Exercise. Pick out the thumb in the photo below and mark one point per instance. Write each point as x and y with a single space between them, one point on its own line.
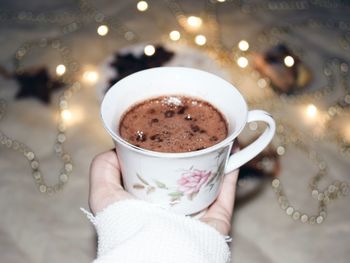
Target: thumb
105 182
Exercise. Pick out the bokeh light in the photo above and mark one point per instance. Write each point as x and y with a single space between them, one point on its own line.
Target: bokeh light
200 40
174 35
243 45
102 30
242 62
149 50
289 61
142 6
60 69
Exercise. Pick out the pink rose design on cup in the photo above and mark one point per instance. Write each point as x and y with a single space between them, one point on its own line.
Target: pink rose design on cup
191 181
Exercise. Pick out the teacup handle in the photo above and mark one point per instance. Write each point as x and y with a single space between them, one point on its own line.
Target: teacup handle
249 152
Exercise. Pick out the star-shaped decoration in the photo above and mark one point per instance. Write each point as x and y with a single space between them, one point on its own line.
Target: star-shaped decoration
37 83
34 82
126 64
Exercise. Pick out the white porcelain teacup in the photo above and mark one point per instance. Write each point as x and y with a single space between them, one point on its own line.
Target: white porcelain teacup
186 183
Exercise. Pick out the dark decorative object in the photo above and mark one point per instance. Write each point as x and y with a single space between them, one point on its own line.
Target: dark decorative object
126 64
34 82
286 76
253 174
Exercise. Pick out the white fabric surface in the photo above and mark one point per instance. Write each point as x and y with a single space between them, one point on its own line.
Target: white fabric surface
35 228
135 231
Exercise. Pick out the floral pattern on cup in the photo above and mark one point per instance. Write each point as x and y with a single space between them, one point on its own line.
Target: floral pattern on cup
191 182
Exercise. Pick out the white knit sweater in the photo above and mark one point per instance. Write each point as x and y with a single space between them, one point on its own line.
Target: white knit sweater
134 231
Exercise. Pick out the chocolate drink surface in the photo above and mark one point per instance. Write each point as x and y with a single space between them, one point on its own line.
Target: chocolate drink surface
173 124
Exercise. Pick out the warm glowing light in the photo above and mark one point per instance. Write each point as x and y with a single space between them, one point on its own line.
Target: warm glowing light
149 50
311 111
102 30
243 45
60 70
346 133
75 115
66 115
221 1
174 35
200 40
242 62
194 21
90 76
289 61
262 83
142 6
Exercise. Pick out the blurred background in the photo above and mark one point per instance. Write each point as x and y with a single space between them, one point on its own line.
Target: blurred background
291 58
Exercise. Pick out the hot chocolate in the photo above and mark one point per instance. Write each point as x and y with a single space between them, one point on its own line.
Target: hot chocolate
173 124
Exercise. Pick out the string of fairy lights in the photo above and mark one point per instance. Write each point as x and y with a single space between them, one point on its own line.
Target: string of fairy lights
203 32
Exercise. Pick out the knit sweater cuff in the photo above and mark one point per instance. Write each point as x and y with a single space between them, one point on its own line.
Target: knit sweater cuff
116 223
126 228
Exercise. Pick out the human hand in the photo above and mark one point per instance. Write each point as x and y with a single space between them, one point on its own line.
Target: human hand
219 213
105 182
106 188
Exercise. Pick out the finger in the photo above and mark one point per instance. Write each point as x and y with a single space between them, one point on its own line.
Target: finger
105 171
226 197
105 178
223 205
222 208
105 182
